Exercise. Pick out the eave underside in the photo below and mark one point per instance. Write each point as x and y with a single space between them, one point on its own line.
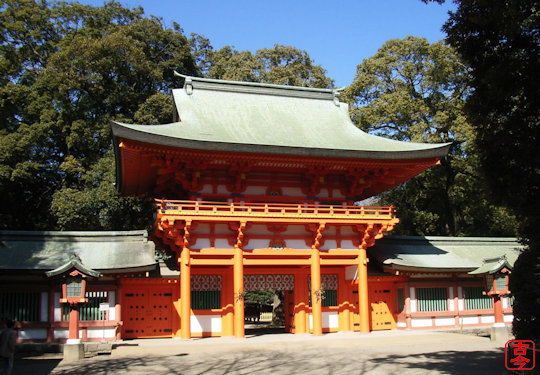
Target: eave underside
142 168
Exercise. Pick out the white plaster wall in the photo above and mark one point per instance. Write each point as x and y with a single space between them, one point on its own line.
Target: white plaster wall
451 305
487 319
222 189
337 193
100 333
201 243
445 322
329 244
509 318
206 189
401 325
222 243
461 303
348 245
421 322
205 323
44 307
63 333
257 244
57 307
470 320
297 244
32 333
330 319
412 293
112 304
255 190
505 302
292 192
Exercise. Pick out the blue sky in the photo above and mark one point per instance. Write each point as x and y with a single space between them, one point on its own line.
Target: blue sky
337 35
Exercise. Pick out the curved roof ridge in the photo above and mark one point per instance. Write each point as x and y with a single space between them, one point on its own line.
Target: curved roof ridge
256 84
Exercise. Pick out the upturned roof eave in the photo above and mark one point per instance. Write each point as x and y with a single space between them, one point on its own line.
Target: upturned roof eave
121 131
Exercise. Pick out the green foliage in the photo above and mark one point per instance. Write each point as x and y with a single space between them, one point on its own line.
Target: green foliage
282 65
415 91
66 70
500 41
261 296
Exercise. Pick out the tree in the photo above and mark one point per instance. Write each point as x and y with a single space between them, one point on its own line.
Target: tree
67 69
282 65
412 90
500 41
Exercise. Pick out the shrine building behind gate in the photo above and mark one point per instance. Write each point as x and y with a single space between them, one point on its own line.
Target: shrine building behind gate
256 187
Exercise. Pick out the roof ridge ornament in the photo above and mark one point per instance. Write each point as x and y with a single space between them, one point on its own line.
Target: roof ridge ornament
188 86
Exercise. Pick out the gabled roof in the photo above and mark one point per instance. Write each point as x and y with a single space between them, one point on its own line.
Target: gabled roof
492 265
73 264
222 115
106 252
442 254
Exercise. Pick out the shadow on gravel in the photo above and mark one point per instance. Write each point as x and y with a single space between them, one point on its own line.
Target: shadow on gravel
313 361
39 366
450 362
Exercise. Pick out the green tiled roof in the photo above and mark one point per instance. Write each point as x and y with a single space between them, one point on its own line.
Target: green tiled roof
251 117
492 265
439 254
101 251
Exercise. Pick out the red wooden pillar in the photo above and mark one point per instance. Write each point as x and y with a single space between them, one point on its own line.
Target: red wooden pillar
185 294
73 336
316 297
238 293
497 309
363 304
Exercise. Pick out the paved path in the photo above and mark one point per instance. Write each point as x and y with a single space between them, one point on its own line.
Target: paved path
389 352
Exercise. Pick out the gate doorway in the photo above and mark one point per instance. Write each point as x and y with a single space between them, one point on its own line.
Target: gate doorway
268 303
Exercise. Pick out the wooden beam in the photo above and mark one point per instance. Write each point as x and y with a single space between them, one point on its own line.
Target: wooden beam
276 262
211 262
339 262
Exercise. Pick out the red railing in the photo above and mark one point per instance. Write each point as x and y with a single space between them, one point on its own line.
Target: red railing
277 210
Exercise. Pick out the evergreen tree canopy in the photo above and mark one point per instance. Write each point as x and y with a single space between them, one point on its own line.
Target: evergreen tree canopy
66 70
500 41
415 91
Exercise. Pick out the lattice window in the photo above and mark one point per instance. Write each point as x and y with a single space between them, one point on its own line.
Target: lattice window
329 298
90 310
205 299
432 299
20 306
475 299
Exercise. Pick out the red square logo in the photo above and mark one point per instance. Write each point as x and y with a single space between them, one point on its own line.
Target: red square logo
519 355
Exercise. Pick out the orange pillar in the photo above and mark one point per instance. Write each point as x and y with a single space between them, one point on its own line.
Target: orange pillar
316 305
228 305
238 292
185 293
363 304
300 304
74 322
497 309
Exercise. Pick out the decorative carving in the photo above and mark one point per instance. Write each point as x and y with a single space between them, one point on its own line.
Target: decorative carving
237 171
